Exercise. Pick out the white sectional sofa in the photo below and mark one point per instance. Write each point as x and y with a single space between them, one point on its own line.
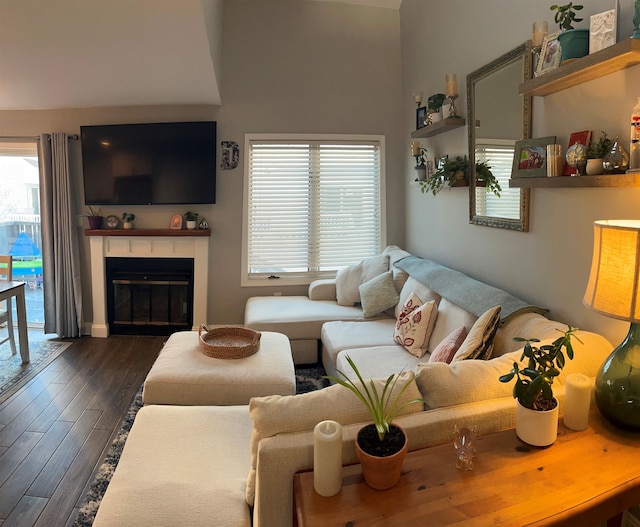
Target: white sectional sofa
234 465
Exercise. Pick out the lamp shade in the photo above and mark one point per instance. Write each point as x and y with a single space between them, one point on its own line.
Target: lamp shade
614 288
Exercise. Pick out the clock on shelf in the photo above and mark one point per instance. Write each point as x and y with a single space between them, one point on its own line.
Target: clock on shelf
112 222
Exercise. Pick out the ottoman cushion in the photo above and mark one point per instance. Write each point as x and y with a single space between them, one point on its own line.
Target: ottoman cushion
182 375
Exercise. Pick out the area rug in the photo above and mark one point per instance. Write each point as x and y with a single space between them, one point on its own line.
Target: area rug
308 379
14 375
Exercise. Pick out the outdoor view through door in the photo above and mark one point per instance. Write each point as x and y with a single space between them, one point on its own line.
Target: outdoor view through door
20 234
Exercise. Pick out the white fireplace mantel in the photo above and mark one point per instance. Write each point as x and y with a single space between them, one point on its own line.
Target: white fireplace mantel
147 244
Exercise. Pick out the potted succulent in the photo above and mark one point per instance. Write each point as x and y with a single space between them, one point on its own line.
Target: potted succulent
455 172
596 152
127 220
95 218
192 219
537 408
420 154
574 42
434 103
380 446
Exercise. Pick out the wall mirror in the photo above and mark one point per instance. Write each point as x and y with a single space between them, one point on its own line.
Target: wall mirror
501 118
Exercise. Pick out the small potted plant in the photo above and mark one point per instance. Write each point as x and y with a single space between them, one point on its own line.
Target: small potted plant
420 155
596 152
485 178
574 42
192 219
380 446
95 218
434 103
455 172
127 220
537 408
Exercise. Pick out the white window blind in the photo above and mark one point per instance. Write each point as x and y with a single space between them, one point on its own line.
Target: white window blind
312 207
498 154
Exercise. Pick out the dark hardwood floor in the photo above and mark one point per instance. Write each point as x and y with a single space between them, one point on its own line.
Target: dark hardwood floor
55 431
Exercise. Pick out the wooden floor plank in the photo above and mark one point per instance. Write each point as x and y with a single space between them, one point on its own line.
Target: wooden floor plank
27 512
15 454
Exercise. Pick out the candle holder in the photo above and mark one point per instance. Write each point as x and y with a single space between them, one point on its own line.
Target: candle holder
452 109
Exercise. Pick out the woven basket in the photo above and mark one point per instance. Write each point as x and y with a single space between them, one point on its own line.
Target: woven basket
228 342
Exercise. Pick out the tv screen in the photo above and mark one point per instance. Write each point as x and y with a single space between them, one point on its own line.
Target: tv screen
149 164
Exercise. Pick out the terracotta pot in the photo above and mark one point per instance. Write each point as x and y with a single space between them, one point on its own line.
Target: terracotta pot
535 427
382 473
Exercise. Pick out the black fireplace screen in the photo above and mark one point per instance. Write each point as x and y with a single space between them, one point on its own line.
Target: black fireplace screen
149 296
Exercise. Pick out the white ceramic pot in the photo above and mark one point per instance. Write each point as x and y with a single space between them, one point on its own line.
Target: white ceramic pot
436 116
594 167
127 225
535 427
191 225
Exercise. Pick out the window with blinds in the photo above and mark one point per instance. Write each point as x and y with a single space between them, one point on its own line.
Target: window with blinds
311 206
498 154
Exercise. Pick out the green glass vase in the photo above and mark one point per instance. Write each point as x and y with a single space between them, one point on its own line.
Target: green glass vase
618 383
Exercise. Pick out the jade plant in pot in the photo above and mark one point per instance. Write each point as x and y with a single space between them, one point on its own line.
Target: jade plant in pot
574 42
434 103
537 408
380 446
127 220
596 150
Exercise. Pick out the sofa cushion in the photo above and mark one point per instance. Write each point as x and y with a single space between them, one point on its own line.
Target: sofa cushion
479 341
378 294
422 291
348 279
415 324
277 414
445 351
377 361
450 317
395 254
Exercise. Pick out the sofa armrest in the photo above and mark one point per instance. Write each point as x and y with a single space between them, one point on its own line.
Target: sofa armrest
323 289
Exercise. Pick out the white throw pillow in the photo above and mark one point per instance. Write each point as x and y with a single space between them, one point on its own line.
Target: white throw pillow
281 414
479 341
415 324
348 279
378 294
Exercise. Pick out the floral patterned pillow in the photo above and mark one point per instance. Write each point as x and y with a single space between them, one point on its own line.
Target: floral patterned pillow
415 324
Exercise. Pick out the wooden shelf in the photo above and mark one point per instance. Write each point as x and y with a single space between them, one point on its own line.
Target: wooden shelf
439 127
147 232
611 180
609 60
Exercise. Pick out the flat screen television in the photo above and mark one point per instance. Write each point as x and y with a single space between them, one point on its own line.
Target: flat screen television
150 163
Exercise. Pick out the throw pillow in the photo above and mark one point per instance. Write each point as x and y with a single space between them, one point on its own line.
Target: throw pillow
348 279
281 414
415 324
479 341
378 294
445 351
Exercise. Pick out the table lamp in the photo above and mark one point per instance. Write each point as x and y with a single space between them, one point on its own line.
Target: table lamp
614 290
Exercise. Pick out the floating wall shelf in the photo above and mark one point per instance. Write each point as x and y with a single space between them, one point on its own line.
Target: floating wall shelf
439 127
612 180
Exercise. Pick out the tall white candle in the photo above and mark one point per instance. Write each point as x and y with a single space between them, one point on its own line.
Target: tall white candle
327 458
452 84
577 401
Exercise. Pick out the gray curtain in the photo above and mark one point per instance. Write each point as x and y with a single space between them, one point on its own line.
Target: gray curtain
60 251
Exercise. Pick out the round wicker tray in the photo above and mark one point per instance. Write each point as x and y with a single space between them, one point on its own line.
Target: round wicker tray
228 342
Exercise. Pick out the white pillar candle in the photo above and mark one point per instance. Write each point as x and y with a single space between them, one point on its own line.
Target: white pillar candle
577 401
540 30
452 84
327 458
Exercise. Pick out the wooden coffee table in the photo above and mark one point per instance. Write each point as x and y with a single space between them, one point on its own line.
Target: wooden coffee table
583 479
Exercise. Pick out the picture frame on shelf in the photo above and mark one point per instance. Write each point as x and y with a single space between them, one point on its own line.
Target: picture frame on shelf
576 137
550 54
530 157
430 169
176 222
421 115
603 30
441 161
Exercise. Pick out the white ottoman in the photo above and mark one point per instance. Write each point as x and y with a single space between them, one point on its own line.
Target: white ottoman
182 375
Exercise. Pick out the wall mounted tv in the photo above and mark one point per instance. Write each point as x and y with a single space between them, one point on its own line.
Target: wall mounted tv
150 163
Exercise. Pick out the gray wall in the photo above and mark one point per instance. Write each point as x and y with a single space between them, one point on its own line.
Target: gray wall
550 264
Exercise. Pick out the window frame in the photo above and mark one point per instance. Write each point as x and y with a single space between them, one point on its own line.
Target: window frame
304 278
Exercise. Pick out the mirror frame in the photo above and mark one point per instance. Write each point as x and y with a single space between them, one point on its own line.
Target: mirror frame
522 52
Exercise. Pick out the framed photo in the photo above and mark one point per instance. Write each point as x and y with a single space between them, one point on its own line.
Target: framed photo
430 169
441 161
176 222
550 54
603 30
530 157
421 115
576 137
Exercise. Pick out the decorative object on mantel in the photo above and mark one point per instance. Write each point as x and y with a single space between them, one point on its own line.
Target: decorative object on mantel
574 43
95 218
537 408
204 224
419 152
634 139
603 30
452 93
192 219
127 219
421 117
176 222
617 159
612 290
583 137
596 150
577 158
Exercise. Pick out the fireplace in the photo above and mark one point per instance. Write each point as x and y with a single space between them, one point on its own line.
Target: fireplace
149 296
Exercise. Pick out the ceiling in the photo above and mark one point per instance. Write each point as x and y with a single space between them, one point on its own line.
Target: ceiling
89 53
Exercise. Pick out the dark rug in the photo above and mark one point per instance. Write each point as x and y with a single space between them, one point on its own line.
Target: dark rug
308 379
